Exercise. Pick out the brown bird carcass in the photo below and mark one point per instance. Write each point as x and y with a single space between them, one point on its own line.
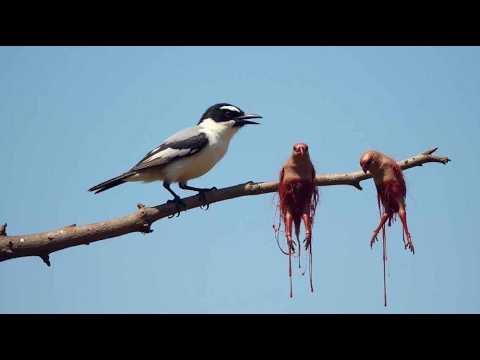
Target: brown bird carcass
298 197
391 193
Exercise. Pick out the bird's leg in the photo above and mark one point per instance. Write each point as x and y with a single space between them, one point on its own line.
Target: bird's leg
288 231
307 221
176 199
408 241
383 219
201 192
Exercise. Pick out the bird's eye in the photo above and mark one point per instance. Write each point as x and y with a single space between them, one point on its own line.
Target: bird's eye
228 113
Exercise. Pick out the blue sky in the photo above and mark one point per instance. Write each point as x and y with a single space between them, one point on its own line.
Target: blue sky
74 116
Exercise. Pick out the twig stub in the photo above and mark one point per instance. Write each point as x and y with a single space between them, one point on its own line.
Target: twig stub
46 259
3 230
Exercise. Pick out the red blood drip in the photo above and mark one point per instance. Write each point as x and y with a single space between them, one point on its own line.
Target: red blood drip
384 265
311 268
290 269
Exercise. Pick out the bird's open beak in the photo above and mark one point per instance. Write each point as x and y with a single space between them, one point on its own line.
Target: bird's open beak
244 119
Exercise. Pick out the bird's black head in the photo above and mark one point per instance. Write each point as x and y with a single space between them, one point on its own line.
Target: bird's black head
228 114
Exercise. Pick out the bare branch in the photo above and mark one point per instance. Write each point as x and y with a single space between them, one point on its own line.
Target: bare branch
43 244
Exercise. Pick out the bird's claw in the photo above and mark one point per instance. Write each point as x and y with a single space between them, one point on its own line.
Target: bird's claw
409 245
180 204
203 198
407 241
374 238
307 240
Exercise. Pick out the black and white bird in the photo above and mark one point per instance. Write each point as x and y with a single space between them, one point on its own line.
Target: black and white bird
189 153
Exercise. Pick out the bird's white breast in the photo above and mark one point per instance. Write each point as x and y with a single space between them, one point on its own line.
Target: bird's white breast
219 136
196 165
182 170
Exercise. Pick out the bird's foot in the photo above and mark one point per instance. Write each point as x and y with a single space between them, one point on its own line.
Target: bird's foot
374 238
307 240
180 206
409 244
203 198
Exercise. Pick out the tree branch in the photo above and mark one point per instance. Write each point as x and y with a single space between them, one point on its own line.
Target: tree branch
43 244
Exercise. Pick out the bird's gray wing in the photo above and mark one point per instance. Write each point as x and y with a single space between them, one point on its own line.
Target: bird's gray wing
180 145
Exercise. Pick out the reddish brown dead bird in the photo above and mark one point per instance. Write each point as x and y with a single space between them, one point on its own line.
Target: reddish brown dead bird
298 197
391 193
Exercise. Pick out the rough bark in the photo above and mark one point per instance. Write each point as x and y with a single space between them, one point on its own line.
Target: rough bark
44 243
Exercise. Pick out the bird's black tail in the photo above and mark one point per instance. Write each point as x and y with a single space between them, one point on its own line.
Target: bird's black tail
110 183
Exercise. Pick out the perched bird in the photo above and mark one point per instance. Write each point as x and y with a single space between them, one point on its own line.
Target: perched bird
298 198
189 153
391 193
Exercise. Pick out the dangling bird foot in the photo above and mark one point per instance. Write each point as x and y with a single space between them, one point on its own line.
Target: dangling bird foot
410 247
307 240
374 238
180 206
409 244
203 198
